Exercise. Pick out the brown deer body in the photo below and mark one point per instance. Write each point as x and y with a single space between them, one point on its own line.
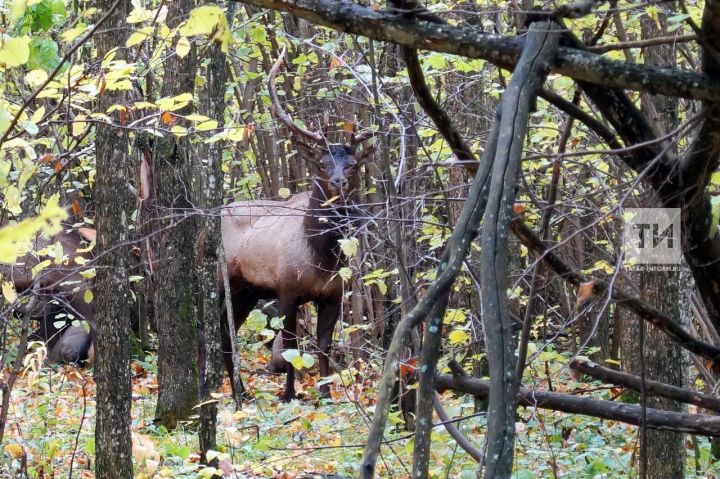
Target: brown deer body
58 295
289 250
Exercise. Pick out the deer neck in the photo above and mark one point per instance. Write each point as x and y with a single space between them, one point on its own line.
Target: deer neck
325 223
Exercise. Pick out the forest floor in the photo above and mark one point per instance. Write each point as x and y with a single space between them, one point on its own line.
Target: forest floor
50 433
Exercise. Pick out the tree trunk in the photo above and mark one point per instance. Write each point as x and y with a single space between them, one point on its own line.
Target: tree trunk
175 287
114 206
208 187
663 357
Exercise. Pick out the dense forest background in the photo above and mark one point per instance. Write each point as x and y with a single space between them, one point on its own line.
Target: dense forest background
493 322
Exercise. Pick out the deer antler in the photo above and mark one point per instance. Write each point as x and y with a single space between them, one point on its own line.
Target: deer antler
280 113
362 136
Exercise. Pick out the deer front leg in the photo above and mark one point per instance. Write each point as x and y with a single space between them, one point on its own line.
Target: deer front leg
328 314
288 308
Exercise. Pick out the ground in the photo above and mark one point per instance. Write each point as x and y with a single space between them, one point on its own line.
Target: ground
52 416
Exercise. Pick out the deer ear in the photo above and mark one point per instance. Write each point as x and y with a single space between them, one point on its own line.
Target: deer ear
366 155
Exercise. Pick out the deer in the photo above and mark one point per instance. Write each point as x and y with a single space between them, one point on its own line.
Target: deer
289 250
58 296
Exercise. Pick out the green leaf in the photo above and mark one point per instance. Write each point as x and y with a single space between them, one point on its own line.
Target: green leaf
436 61
256 321
88 296
43 54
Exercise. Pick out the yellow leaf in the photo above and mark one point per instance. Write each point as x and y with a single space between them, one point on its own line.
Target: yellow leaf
349 246
197 117
178 131
207 125
345 273
78 125
19 6
88 273
8 291
139 15
208 20
235 134
73 33
40 266
183 47
139 36
35 78
14 450
88 296
15 52
458 336
38 115
175 102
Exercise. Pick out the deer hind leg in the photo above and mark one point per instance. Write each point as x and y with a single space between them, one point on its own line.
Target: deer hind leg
288 308
242 305
328 314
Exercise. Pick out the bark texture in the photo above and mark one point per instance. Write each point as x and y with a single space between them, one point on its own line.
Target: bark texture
208 188
114 206
528 77
175 286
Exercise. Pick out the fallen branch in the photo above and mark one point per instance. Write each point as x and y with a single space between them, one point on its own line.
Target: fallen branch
627 413
651 388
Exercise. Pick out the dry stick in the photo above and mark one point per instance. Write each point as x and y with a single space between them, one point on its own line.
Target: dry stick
82 420
603 409
236 381
453 430
625 300
648 42
453 256
530 71
652 388
57 69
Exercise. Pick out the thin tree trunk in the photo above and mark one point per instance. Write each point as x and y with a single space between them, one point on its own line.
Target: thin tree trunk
175 288
114 207
209 178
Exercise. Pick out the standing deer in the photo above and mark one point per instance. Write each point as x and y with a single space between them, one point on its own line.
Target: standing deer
289 250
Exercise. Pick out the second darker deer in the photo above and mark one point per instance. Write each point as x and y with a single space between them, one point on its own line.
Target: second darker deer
289 250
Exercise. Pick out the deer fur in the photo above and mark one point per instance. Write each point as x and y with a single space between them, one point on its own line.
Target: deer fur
57 290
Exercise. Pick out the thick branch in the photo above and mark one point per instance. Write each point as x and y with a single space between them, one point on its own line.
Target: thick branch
651 388
627 413
623 299
503 51
540 49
